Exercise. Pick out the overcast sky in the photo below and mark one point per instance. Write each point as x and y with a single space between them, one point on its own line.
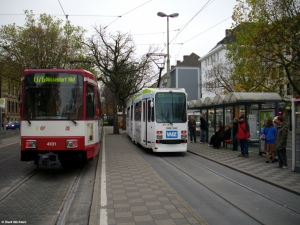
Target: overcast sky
199 27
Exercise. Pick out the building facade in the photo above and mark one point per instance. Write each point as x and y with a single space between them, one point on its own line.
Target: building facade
185 74
11 94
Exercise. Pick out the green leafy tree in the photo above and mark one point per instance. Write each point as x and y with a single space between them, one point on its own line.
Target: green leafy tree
264 47
43 42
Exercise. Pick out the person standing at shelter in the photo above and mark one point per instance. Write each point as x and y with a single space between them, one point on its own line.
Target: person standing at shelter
270 132
275 122
234 132
242 135
281 141
192 128
203 126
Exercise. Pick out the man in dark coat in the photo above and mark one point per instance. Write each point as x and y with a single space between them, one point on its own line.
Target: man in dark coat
281 141
234 132
192 128
203 126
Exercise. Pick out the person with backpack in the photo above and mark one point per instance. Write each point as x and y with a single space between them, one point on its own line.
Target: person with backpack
269 131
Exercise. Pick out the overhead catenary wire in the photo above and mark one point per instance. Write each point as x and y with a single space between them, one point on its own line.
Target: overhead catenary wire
184 26
63 9
127 13
181 29
38 14
207 29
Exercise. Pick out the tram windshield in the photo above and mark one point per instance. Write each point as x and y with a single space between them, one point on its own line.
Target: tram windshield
53 96
170 107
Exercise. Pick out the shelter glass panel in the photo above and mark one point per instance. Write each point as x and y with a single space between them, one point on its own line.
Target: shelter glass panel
241 111
229 116
219 117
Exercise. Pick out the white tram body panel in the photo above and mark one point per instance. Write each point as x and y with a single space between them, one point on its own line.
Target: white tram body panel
157 119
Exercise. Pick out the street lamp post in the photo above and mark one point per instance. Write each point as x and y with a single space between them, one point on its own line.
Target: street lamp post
161 14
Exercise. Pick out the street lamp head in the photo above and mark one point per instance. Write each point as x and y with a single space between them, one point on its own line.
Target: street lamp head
174 15
161 14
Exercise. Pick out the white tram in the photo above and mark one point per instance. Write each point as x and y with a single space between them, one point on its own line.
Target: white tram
157 119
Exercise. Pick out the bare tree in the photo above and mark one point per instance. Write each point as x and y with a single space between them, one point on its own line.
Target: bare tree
119 69
218 79
109 101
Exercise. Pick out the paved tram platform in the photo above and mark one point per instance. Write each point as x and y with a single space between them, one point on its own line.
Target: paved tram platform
128 191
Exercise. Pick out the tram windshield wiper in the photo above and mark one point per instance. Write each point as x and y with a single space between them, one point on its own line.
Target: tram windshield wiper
28 120
168 120
74 121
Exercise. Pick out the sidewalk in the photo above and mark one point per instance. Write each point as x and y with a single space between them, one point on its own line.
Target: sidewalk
129 191
254 166
9 140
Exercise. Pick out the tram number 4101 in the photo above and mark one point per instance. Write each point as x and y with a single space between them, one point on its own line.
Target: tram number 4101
51 143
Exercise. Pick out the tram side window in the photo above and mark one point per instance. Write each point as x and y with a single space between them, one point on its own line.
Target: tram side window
90 109
144 111
128 111
150 112
137 115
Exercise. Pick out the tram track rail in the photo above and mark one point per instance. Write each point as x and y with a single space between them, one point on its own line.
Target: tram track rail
67 203
15 187
249 214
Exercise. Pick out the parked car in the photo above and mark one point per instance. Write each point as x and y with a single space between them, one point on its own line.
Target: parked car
198 128
13 125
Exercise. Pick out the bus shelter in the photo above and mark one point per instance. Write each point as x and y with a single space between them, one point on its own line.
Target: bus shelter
255 107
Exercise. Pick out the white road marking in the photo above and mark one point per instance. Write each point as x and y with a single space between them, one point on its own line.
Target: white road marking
103 210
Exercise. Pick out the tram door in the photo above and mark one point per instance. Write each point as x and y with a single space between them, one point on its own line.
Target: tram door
149 122
144 123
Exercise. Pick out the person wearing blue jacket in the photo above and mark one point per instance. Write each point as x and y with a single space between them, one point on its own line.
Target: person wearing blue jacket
270 133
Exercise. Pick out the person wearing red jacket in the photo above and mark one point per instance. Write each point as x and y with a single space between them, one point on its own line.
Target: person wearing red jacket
242 135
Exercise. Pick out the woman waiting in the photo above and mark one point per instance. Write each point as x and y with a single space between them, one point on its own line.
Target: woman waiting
270 132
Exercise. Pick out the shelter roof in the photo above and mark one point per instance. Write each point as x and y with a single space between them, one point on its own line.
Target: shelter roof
208 100
233 97
218 99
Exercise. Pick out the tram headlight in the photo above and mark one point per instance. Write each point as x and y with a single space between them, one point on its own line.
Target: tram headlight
72 143
30 143
159 135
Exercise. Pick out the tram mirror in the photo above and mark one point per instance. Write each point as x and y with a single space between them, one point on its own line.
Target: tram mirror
151 104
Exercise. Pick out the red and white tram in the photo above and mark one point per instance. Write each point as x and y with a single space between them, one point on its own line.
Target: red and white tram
61 117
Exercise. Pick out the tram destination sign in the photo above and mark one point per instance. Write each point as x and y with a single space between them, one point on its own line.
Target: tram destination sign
64 79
